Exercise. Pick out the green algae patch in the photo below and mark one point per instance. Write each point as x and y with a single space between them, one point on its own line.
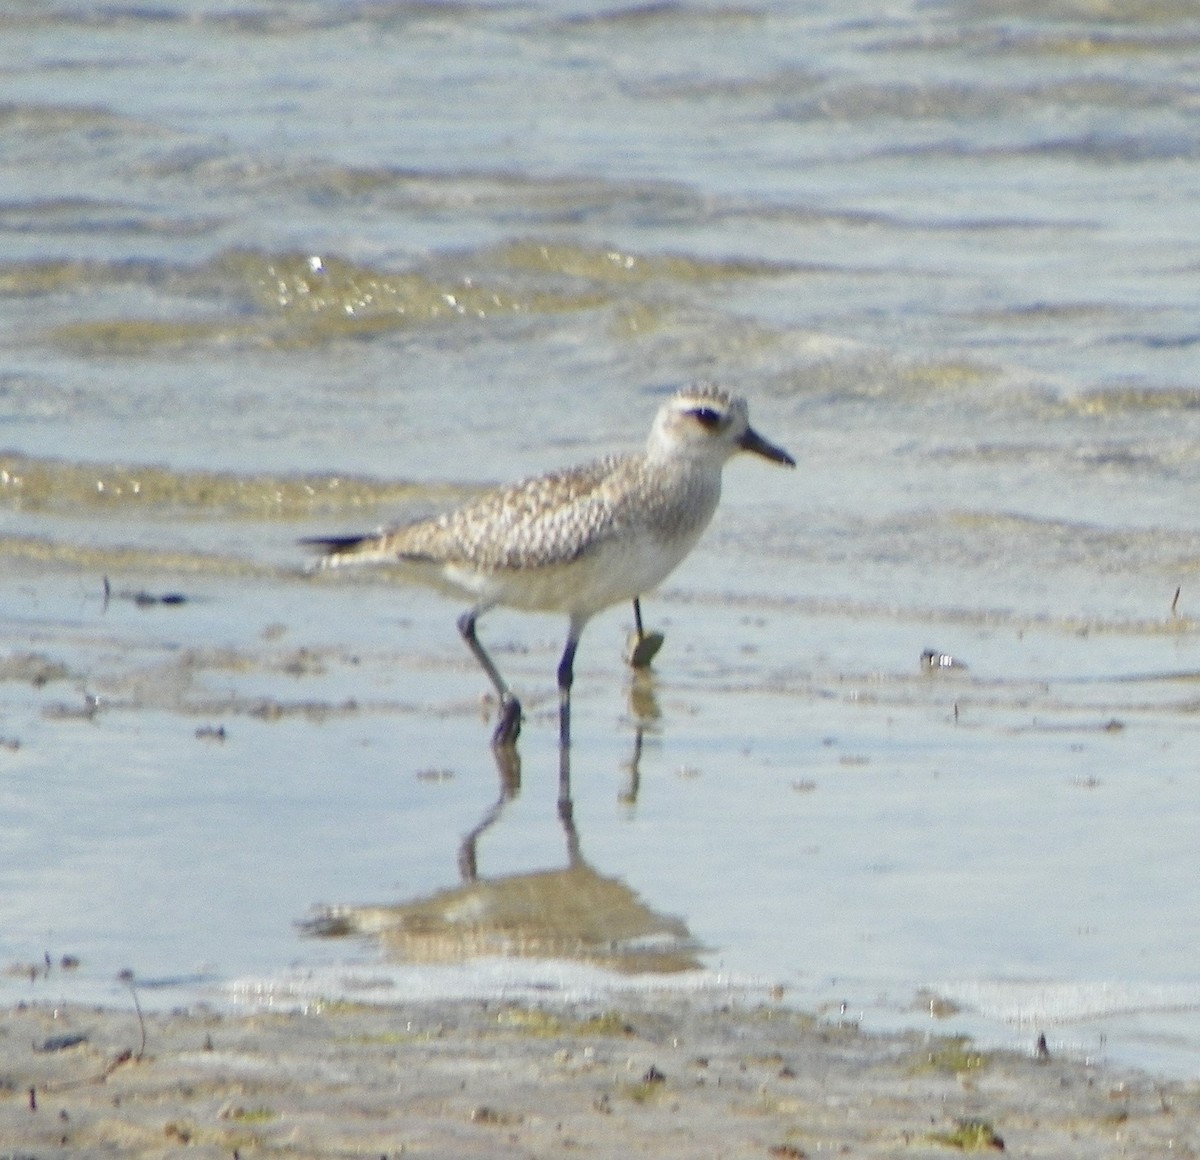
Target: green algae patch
969 1136
607 1023
535 1021
136 336
530 1021
950 374
953 1056
287 301
241 1115
46 484
608 264
100 559
344 292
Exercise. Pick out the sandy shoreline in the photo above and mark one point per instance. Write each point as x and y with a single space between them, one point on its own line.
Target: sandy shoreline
631 1078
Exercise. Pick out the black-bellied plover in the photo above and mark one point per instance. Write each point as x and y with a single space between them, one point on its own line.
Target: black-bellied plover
580 540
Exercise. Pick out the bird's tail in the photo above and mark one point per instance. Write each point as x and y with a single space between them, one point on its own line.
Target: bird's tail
338 551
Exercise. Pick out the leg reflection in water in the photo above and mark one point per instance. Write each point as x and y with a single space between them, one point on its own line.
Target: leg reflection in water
567 912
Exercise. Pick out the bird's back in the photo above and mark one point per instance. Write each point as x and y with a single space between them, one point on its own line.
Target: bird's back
552 520
537 522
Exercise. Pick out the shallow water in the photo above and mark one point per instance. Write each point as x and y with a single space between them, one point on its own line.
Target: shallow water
277 270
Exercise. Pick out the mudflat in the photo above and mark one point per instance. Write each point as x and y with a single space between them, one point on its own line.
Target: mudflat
651 1076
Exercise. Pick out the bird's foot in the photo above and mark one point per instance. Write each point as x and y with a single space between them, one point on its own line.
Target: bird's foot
642 648
508 728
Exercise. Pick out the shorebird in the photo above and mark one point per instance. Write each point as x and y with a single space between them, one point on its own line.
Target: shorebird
575 541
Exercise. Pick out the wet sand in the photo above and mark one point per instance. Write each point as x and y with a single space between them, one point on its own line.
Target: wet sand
647 1077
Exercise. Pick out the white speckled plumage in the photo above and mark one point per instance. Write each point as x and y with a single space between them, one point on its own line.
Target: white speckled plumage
579 540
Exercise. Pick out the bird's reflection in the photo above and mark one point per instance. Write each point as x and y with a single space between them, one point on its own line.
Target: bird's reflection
644 710
572 912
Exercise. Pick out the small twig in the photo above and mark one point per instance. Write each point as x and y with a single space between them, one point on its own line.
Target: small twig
1175 601
126 977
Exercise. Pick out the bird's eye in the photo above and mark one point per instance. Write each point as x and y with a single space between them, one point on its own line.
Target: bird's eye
709 419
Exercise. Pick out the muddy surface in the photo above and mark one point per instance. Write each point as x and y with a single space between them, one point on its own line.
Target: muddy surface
647 1077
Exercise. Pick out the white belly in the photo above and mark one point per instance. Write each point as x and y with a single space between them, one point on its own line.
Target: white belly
614 571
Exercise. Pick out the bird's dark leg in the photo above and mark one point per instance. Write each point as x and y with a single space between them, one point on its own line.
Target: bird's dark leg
566 677
642 647
509 725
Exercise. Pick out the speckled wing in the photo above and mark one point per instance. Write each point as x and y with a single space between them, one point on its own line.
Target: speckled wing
537 522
